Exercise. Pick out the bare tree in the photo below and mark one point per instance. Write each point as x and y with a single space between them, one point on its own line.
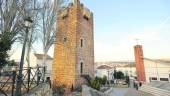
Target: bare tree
28 8
33 36
11 18
43 13
49 19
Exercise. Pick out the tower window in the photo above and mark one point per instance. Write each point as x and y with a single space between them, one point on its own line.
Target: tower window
81 42
85 17
64 17
81 67
65 39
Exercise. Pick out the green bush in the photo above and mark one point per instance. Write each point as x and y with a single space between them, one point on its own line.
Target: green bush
104 79
100 79
95 84
119 75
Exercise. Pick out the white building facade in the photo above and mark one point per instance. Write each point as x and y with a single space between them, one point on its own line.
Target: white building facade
36 60
104 70
157 70
39 62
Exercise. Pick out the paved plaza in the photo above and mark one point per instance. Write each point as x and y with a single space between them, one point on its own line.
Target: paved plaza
128 92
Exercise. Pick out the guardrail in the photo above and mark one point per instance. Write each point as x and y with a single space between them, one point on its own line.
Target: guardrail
31 78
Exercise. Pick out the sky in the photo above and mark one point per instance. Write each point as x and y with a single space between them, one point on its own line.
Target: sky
118 23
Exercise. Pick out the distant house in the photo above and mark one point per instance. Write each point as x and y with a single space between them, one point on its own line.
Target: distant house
128 70
108 68
35 60
104 70
39 62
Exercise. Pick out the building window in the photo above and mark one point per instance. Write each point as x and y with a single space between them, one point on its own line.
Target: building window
81 67
154 78
81 41
163 79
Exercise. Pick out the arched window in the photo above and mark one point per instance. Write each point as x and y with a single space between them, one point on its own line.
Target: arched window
81 67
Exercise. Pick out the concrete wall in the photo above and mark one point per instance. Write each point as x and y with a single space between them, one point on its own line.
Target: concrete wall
48 64
41 90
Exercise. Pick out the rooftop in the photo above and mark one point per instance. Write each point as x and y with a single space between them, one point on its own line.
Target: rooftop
110 67
116 62
104 67
40 56
158 60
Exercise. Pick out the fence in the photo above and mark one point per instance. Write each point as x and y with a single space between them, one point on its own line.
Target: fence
31 77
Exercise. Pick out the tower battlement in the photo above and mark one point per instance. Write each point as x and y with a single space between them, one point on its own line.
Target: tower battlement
85 11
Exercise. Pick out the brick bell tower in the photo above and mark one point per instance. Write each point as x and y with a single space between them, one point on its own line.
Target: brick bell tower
140 69
74 48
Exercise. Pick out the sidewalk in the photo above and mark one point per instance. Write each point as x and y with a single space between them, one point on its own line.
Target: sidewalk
128 92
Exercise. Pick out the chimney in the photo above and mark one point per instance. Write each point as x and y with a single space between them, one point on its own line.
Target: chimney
140 69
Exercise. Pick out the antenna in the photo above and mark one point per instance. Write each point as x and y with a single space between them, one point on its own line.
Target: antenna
137 41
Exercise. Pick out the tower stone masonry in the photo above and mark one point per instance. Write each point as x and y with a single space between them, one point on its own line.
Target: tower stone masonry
74 48
140 69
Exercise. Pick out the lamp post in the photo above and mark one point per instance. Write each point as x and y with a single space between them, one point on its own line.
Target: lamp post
109 76
169 75
28 23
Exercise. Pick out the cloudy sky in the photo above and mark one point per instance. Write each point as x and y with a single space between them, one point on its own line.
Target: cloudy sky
117 23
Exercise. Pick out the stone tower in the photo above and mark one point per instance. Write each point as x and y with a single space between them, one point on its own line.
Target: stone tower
74 48
140 69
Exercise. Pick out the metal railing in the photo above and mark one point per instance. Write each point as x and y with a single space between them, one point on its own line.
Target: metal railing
31 77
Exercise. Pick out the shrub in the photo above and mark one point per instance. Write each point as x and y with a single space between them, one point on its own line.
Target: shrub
119 75
95 84
59 90
104 79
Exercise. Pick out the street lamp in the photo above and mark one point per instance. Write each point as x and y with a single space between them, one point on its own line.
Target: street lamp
28 23
109 77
